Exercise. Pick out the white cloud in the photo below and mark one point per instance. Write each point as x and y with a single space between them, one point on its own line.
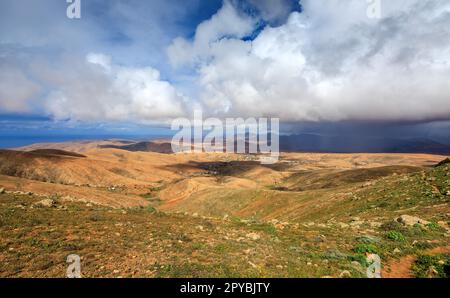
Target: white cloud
91 89
98 90
16 90
228 22
331 62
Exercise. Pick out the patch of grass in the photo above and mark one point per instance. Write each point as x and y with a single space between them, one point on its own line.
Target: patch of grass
365 248
152 194
434 226
197 246
359 258
265 227
392 226
383 204
431 266
423 245
368 239
395 236
334 255
415 231
221 248
147 196
150 209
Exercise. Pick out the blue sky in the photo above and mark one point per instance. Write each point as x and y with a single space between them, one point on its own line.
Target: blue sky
129 67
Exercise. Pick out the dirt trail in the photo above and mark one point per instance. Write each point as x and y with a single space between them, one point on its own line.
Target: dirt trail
401 268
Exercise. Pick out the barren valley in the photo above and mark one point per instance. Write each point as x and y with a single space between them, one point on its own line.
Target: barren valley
148 213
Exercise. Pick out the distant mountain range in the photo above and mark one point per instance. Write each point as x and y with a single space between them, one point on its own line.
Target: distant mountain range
357 144
147 146
321 143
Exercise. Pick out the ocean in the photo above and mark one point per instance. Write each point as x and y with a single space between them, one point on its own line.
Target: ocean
9 142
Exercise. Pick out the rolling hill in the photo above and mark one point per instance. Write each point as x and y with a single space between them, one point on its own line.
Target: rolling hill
152 214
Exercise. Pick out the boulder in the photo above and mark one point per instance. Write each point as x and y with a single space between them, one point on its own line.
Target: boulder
253 236
411 220
45 203
2 190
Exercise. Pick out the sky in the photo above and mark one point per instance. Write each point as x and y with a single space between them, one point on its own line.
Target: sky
129 67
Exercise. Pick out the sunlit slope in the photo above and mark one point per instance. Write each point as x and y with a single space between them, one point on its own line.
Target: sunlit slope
319 196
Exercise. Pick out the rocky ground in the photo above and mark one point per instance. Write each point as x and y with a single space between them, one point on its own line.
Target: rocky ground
226 218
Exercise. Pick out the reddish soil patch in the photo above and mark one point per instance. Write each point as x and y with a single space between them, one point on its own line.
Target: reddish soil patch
401 268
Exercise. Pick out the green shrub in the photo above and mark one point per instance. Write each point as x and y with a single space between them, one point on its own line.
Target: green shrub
429 266
395 236
415 231
335 255
423 245
365 248
383 204
434 226
368 239
150 209
392 226
358 258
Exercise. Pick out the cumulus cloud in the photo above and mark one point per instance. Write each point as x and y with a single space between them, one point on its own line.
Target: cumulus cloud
16 90
330 62
228 22
44 68
91 88
98 90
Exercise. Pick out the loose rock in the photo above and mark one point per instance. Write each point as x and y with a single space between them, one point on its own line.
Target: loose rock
411 220
253 236
48 203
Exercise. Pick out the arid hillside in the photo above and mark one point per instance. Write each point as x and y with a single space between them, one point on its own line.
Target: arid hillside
326 210
84 167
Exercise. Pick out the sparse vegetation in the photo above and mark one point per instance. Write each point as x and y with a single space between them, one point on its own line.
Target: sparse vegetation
365 248
395 236
427 266
218 216
434 226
